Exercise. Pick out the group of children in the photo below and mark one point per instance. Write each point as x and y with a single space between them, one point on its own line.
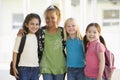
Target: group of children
61 50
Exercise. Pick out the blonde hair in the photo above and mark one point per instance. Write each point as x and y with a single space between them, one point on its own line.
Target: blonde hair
66 35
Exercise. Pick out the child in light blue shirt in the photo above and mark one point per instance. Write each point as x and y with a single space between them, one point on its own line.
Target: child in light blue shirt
74 50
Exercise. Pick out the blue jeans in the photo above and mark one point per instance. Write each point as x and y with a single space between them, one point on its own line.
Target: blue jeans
29 73
53 77
75 74
93 78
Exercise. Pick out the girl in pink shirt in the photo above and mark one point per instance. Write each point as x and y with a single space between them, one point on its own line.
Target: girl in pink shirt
95 48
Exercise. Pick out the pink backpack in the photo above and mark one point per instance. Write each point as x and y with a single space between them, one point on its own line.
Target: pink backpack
109 63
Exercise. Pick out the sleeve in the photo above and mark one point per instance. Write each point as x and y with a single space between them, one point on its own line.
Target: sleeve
17 43
101 48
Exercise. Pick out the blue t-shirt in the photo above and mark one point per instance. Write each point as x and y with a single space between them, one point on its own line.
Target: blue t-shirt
75 53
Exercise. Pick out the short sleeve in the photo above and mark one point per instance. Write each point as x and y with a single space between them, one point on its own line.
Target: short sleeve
17 43
100 48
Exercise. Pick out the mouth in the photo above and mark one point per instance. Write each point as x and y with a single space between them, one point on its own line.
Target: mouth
91 37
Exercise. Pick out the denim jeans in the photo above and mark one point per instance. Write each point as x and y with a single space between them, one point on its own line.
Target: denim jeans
53 77
93 78
75 74
29 73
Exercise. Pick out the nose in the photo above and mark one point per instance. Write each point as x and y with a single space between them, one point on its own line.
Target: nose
70 26
35 25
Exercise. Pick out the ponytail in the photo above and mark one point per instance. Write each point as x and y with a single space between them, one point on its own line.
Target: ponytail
85 41
102 40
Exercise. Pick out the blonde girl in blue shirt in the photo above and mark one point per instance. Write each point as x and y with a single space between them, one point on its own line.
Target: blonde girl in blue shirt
74 50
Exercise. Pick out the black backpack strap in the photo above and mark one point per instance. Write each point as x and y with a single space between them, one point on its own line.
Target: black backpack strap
40 38
22 43
63 41
39 45
63 45
21 47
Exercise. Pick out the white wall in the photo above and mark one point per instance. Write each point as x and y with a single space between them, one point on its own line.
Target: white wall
7 34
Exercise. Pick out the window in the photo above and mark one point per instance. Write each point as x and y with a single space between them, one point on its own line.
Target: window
111 17
111 14
17 20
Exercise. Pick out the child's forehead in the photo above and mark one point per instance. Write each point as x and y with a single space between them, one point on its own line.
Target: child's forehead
71 22
51 13
92 28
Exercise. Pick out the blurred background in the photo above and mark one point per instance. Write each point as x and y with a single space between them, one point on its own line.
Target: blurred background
104 12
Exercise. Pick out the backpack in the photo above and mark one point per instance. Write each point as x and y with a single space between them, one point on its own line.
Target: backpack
20 50
22 43
109 63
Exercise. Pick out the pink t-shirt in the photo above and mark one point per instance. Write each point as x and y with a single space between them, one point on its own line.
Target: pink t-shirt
92 62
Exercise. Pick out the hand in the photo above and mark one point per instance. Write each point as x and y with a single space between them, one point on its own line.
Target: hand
99 78
15 72
21 32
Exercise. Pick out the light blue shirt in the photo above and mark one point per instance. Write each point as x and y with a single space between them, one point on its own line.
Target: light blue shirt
75 53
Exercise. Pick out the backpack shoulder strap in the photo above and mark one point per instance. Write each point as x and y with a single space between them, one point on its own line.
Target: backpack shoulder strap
40 39
96 45
62 34
63 41
22 43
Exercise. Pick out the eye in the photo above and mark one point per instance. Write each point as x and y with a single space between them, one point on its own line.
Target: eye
89 31
37 24
53 17
68 26
73 25
94 32
31 23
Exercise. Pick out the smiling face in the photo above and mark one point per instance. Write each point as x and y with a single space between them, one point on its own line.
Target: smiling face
92 33
51 19
71 28
33 25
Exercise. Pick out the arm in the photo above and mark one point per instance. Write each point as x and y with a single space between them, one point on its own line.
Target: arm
21 32
14 65
101 65
15 53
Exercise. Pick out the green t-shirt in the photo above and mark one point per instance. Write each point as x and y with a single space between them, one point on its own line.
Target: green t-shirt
53 60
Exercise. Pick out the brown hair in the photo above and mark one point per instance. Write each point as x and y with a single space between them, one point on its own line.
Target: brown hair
53 8
85 40
28 18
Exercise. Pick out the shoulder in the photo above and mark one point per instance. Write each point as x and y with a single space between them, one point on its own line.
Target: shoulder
18 38
100 44
43 27
60 28
100 47
42 30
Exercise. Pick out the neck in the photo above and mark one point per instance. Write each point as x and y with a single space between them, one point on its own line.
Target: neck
72 36
52 30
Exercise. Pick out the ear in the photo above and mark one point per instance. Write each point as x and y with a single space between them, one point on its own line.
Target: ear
26 25
99 34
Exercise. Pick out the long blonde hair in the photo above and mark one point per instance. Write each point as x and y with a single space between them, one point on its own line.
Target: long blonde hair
66 35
